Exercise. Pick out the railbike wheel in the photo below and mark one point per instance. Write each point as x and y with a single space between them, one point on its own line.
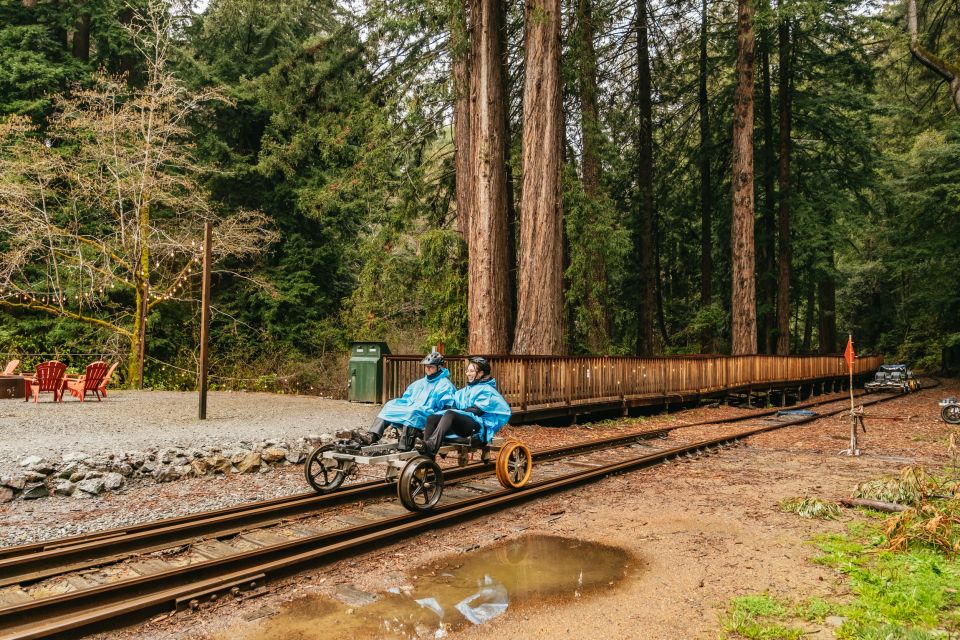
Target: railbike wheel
514 465
951 414
420 484
324 474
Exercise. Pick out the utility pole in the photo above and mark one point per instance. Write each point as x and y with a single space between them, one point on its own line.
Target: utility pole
205 316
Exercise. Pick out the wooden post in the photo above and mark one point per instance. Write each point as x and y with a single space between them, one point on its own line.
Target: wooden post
205 316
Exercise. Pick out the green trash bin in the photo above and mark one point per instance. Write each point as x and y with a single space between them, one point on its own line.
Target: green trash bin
365 373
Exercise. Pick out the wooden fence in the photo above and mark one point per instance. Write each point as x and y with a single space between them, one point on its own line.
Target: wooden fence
535 384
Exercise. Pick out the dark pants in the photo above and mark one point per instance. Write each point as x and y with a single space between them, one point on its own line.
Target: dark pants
378 427
439 426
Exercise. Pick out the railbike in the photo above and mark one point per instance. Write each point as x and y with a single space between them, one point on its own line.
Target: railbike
419 479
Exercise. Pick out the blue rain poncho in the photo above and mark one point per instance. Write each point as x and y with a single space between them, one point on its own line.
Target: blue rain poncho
484 396
421 399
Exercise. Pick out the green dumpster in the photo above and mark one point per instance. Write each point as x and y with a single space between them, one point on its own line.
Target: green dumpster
365 381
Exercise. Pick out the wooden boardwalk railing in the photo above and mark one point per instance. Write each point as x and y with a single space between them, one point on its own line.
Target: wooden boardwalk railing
545 386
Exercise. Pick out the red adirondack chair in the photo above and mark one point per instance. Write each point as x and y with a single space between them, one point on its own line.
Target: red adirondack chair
48 378
89 382
11 367
103 385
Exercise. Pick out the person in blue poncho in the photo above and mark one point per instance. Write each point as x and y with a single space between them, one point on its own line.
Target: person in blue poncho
431 393
477 408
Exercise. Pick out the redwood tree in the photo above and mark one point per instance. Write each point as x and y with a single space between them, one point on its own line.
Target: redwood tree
785 255
488 297
744 303
539 327
645 230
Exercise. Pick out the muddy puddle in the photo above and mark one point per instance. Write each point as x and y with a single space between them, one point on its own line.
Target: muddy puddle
443 597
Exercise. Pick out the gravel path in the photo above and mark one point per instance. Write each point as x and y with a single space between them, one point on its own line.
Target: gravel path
135 420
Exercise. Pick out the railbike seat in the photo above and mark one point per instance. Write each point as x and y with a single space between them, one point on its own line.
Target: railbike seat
473 441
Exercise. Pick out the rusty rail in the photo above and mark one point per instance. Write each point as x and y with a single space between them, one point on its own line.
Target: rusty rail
535 385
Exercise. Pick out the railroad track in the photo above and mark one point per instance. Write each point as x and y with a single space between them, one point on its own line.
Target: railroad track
49 589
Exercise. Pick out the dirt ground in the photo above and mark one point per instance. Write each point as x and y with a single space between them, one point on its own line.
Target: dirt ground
702 532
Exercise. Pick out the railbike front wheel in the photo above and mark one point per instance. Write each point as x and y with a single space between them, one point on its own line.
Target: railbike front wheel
325 474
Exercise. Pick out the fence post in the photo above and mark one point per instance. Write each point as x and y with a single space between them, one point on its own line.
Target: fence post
523 383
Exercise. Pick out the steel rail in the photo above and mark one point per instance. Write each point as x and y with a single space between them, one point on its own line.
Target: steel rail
61 613
28 563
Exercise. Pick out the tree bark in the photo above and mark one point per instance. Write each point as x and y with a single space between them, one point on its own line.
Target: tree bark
459 36
81 37
488 299
539 328
706 222
598 332
827 290
808 316
947 71
645 230
768 249
783 179
744 297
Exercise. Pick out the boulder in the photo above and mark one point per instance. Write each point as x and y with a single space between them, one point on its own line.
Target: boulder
272 455
75 456
34 491
295 456
113 481
6 494
29 461
249 463
68 470
94 474
64 488
219 464
201 466
17 483
125 470
149 466
44 468
77 477
33 476
166 474
92 486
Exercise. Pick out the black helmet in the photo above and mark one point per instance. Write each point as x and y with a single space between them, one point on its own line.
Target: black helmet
481 364
435 358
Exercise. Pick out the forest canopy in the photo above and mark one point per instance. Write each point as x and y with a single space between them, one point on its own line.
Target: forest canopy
576 176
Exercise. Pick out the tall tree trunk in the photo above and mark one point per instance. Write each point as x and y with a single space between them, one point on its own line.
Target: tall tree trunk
81 36
598 331
808 322
827 290
459 35
539 328
706 223
947 71
489 292
768 248
744 298
644 231
783 179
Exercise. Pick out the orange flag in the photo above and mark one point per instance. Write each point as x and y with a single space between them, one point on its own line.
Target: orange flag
848 354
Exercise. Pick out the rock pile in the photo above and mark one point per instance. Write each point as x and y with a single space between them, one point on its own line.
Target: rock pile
83 475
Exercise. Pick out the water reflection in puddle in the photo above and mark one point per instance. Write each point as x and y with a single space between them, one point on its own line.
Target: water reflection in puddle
471 588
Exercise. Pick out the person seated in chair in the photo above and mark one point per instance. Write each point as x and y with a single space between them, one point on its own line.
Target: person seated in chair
478 409
433 392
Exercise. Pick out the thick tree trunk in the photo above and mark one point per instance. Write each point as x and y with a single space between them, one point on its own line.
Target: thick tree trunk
827 290
539 328
947 71
809 316
783 178
768 248
488 298
81 38
459 36
744 298
644 230
706 223
598 331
